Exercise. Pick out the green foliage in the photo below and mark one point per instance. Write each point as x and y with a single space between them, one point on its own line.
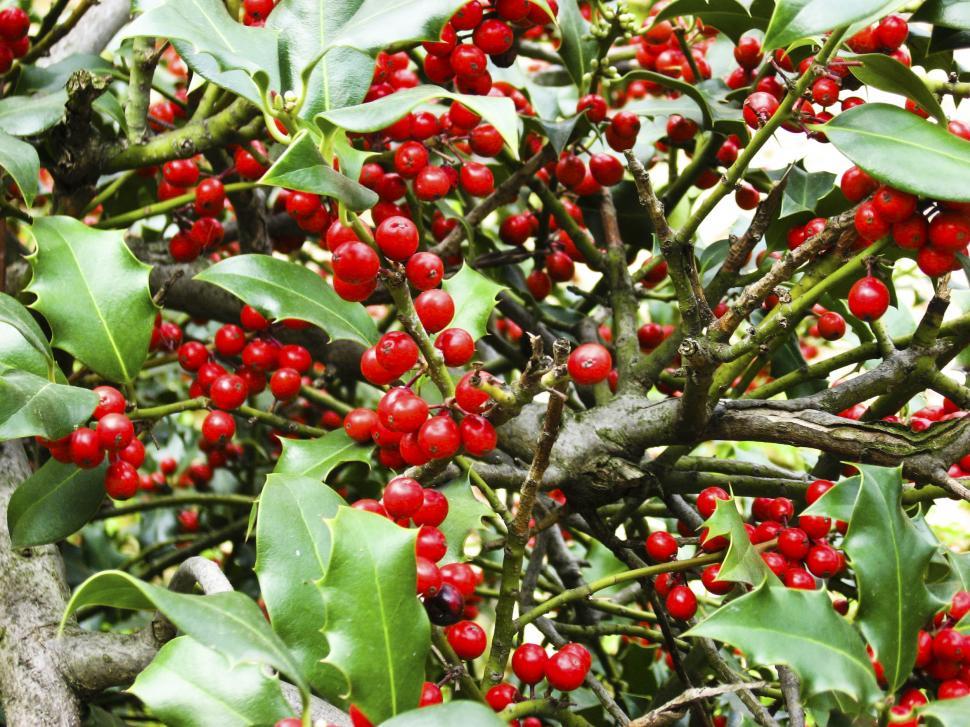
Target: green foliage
317 458
903 150
796 19
94 294
19 159
732 17
190 685
54 502
33 406
465 513
474 297
379 114
578 46
303 168
14 316
230 623
946 712
776 625
742 563
378 631
890 559
887 74
281 289
292 552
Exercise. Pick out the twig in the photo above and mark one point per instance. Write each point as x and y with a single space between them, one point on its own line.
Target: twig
790 687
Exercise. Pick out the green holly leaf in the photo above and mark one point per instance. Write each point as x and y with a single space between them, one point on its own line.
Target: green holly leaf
305 27
379 114
734 18
887 74
578 46
377 629
240 58
292 552
796 19
23 344
230 623
465 513
948 13
33 114
31 405
283 289
317 458
474 297
458 712
890 559
379 24
54 502
742 563
302 167
190 685
94 293
903 150
777 625
804 190
946 712
839 501
19 159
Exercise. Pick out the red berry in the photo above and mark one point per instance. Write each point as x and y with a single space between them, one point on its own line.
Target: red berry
218 427
180 172
758 108
456 345
661 546
85 448
468 16
432 183
935 262
433 510
831 326
110 401
501 696
115 431
589 363
793 543
476 179
681 603
284 384
493 36
856 184
799 578
468 61
247 165
869 223
210 198
439 437
950 232
912 233
430 694
403 496
121 480
595 107
891 32
470 397
823 561
410 158
748 52
467 638
14 24
431 543
478 436
355 262
229 391
485 140
707 500
230 340
680 129
435 309
606 169
529 663
817 489
133 454
402 411
711 583
893 205
302 205
868 298
359 424
825 91
397 237
566 670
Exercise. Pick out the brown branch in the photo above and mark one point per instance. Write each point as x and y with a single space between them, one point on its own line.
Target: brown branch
503 194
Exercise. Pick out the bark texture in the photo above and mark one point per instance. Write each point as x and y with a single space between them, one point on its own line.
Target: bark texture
33 594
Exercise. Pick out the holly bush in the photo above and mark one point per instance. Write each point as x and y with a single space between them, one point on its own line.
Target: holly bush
519 362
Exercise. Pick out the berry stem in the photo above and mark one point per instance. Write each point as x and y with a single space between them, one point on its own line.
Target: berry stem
157 208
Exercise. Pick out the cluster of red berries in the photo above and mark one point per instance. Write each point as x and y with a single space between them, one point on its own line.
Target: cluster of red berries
14 43
942 655
658 49
803 552
935 230
255 12
564 670
113 435
490 27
